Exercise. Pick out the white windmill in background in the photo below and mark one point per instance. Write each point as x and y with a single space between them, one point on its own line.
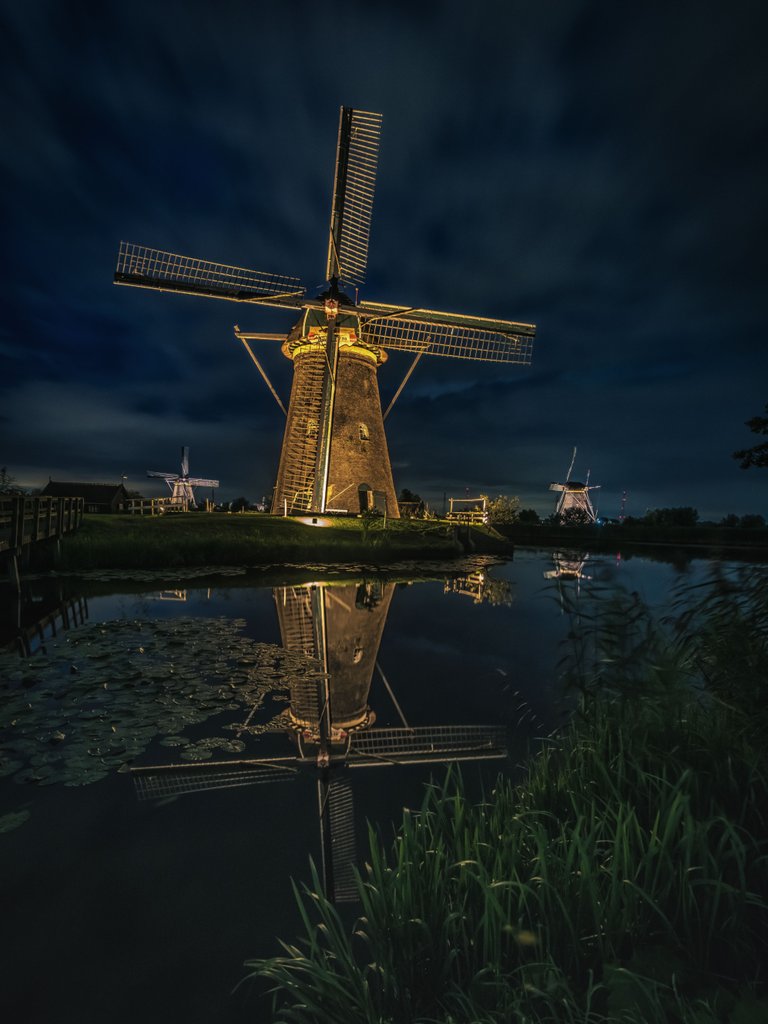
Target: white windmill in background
181 484
575 495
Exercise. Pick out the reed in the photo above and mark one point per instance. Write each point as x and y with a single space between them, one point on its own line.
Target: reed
624 878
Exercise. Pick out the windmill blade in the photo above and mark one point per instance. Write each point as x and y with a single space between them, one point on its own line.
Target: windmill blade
570 468
337 838
159 781
163 476
446 334
185 461
357 153
142 267
197 481
430 743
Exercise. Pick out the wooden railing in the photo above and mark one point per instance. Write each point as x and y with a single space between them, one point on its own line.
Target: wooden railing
26 520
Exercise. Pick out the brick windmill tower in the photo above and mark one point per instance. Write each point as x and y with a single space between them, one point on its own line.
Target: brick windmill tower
334 454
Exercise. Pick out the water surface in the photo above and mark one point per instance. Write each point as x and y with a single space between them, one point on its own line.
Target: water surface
123 908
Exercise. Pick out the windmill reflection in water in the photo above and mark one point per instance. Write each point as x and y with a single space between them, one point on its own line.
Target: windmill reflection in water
330 721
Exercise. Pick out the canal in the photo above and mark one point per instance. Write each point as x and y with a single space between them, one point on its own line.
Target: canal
173 752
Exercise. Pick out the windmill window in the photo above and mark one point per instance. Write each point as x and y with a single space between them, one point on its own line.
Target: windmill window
364 435
312 428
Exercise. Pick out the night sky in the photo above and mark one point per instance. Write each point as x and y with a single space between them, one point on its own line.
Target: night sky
598 169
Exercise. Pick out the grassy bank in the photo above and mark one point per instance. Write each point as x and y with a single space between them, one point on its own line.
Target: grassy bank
135 542
624 879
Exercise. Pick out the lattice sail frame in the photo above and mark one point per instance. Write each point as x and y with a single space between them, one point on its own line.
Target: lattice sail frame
143 267
357 154
437 333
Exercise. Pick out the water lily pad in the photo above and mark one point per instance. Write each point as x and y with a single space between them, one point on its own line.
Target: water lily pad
9 822
196 753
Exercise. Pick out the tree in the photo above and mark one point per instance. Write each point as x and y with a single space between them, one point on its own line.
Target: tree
411 504
685 516
758 455
240 504
8 482
528 515
752 522
502 510
730 520
575 517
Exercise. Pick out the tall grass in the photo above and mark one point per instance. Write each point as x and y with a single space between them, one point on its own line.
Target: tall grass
624 879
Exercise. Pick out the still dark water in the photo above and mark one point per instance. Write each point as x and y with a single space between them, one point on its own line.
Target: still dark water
121 909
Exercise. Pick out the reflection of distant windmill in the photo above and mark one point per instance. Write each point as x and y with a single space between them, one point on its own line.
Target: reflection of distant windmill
568 565
574 495
181 484
330 720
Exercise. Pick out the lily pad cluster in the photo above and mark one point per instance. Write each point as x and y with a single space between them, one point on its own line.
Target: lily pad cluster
100 694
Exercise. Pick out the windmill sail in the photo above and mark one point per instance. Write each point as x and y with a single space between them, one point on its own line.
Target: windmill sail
337 838
446 334
159 781
427 743
166 271
357 154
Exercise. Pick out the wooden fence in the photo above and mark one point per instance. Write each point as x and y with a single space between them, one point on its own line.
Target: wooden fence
26 521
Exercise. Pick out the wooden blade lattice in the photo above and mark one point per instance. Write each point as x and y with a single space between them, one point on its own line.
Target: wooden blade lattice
354 183
429 742
142 267
160 781
446 334
337 838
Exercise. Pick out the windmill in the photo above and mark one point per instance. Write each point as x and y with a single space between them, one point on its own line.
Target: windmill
181 484
330 721
334 454
575 496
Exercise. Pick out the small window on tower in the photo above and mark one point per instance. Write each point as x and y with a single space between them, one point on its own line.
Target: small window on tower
364 435
311 428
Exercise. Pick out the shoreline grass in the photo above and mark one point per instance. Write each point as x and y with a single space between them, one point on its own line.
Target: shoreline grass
624 879
133 542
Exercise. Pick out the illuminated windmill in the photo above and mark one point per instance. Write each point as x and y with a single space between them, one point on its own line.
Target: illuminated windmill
574 496
330 721
181 484
334 453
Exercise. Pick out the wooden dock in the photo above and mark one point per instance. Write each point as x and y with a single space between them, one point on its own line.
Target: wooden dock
25 522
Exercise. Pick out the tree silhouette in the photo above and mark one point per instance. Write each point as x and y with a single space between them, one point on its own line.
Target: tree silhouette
758 455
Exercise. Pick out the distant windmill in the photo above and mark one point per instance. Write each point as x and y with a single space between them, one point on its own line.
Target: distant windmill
335 453
575 495
330 721
181 484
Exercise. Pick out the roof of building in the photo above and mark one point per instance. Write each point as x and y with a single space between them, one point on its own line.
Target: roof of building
97 494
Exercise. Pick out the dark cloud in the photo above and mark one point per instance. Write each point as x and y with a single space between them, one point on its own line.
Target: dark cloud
596 168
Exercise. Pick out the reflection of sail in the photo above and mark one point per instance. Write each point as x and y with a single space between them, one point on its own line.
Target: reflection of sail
339 627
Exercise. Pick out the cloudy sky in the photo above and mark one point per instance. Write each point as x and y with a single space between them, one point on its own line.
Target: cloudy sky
598 169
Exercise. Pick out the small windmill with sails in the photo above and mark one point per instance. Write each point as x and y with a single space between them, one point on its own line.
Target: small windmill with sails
574 502
181 484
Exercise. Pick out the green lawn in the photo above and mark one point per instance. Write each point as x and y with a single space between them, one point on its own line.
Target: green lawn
195 539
